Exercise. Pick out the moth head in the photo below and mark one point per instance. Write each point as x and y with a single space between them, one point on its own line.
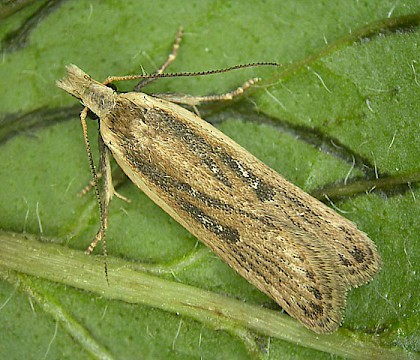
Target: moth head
76 82
96 96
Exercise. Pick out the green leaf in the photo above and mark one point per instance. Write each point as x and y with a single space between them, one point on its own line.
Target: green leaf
340 118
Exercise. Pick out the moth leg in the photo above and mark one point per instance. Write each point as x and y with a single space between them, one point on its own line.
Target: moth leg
107 194
172 56
169 61
122 197
91 185
194 101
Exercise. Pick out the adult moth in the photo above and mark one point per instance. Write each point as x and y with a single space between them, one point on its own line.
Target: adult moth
289 245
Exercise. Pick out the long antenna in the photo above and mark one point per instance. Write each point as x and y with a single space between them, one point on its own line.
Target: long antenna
111 79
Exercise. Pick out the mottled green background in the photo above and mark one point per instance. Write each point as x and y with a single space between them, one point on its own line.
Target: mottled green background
341 118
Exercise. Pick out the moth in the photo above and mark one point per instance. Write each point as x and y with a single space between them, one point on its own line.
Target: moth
289 245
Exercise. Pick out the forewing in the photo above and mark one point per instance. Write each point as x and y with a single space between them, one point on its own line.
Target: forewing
286 243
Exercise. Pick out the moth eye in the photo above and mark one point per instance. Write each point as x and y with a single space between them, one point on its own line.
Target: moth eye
87 77
91 115
112 86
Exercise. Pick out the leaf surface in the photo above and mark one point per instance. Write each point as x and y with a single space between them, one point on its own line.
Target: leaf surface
339 118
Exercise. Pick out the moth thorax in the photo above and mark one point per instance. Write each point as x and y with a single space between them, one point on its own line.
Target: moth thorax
99 99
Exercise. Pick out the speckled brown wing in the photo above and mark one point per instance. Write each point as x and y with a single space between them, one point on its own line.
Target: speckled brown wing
286 243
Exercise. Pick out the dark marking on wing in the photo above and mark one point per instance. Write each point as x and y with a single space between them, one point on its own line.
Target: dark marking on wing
203 150
195 143
224 232
264 192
